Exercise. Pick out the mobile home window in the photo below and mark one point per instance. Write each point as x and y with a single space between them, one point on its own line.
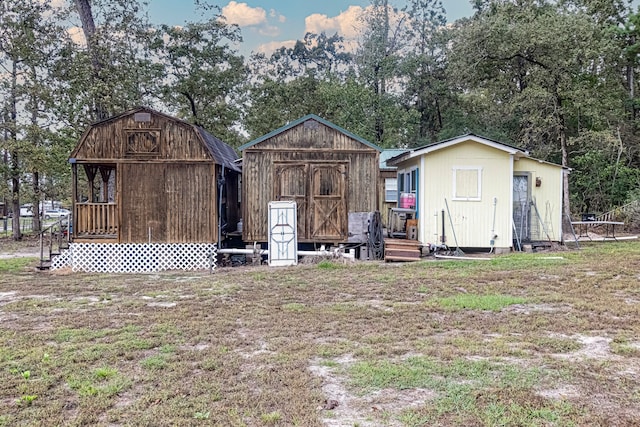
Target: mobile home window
467 183
391 190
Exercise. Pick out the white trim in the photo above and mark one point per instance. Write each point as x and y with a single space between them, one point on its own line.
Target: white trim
460 139
561 213
421 202
478 169
512 166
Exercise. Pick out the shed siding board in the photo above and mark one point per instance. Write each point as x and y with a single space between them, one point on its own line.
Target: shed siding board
191 186
548 196
309 146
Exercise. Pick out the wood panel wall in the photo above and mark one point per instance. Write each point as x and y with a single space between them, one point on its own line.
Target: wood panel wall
168 203
106 141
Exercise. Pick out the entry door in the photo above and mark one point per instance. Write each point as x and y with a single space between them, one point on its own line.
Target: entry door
291 183
522 207
328 202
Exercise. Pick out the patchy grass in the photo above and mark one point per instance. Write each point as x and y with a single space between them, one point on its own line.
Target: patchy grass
15 265
477 302
523 339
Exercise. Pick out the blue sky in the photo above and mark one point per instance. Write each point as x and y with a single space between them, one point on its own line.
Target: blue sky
268 24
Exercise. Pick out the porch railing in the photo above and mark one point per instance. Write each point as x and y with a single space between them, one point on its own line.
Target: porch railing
96 219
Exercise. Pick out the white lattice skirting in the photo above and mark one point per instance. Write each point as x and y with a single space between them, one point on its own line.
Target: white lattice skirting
136 258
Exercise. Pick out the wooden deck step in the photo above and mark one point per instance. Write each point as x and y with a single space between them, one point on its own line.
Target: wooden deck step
401 250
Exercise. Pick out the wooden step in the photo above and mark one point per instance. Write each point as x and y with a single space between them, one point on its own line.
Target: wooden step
401 250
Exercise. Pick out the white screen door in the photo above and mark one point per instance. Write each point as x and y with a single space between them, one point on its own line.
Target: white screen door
283 236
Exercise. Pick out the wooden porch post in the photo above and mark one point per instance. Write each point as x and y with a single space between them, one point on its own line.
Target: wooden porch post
74 199
105 173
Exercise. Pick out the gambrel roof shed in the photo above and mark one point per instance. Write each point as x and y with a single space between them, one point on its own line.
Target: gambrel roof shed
153 178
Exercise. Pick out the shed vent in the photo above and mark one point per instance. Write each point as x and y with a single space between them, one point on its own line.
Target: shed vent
311 124
142 117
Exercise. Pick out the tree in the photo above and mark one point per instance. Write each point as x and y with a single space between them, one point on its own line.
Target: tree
537 62
27 45
293 82
424 67
377 62
112 69
204 77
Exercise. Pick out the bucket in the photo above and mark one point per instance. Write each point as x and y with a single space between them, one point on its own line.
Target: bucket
408 200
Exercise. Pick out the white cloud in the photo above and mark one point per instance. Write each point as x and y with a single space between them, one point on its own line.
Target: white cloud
345 24
269 48
244 15
269 31
274 14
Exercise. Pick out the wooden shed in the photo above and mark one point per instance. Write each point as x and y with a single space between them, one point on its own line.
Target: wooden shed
327 170
146 177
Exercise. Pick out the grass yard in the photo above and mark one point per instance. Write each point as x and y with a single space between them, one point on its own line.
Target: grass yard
547 339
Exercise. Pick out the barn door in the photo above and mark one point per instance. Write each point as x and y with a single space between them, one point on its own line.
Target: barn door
328 202
291 184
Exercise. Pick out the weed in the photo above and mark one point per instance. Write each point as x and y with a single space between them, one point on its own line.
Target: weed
104 373
154 363
271 418
202 415
28 399
258 277
329 265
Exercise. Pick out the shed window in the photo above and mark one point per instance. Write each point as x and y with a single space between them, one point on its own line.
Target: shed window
142 142
467 183
391 190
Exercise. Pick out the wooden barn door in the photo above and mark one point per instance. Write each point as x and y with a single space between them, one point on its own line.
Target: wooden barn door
328 202
291 183
143 204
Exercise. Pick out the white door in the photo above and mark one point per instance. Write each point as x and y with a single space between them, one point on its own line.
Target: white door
283 236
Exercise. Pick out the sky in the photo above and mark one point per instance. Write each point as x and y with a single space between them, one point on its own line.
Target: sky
269 24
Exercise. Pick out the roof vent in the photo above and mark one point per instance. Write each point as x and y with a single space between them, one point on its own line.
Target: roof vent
311 124
142 117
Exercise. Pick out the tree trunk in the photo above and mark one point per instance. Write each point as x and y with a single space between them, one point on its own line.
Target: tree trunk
37 224
15 164
565 163
89 29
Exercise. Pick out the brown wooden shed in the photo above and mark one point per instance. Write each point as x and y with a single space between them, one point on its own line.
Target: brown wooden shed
146 177
327 170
